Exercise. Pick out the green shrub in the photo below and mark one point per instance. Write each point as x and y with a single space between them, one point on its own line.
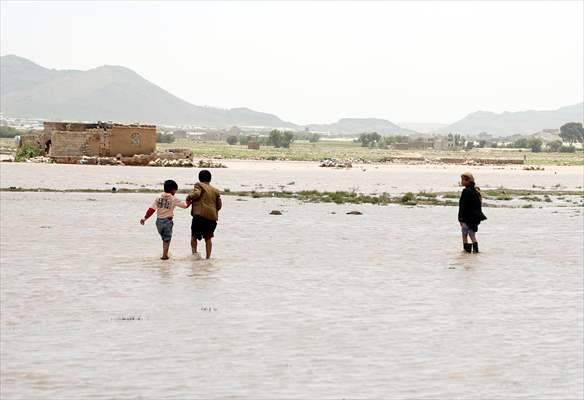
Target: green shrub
9 132
409 197
164 138
27 151
567 149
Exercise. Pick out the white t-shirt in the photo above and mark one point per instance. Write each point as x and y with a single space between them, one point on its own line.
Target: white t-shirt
165 204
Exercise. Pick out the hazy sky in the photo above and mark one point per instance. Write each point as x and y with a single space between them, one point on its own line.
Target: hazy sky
320 61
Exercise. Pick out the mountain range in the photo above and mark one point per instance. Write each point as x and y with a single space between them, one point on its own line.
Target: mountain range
107 93
116 93
510 123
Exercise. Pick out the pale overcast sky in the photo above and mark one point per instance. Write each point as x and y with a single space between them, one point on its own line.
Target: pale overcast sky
321 61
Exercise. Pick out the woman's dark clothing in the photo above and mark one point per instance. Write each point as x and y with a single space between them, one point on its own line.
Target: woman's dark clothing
469 208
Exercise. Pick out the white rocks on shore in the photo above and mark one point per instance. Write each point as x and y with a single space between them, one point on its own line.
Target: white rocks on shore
334 163
39 159
185 162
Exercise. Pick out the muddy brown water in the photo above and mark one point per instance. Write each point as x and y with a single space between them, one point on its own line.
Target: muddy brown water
312 303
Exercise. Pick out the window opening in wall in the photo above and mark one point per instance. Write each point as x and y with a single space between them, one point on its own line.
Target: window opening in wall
135 138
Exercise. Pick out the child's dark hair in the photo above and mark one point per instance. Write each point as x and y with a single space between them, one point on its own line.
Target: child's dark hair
205 176
170 185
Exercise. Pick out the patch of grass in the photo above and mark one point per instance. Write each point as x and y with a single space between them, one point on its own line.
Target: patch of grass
409 197
427 194
532 198
309 196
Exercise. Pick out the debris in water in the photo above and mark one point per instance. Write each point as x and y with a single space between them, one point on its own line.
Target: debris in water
128 318
354 213
276 212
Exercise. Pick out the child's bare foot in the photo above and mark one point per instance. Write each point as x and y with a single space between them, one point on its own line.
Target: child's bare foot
164 258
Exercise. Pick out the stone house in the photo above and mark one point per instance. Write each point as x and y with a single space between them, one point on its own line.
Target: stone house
72 139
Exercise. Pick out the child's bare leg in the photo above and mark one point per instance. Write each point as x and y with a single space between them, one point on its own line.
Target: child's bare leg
194 244
473 238
165 247
208 247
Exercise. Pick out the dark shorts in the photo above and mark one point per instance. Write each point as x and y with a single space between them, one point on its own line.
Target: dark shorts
203 228
164 227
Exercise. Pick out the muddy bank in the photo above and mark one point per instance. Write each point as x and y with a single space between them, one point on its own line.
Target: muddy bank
501 197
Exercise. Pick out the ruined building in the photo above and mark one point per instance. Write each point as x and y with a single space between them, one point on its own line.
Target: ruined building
72 139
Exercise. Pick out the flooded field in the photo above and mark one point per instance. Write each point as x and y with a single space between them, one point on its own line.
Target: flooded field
292 176
309 304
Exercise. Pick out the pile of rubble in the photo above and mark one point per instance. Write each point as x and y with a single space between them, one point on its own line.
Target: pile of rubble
39 160
159 162
334 163
210 164
92 160
185 162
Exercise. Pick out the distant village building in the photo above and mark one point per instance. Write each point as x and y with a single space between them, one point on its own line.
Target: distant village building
72 139
418 144
252 143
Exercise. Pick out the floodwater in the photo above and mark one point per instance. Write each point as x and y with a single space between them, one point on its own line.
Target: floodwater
291 176
309 304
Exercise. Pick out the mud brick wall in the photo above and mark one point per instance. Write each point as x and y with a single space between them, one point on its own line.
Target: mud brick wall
128 140
38 139
67 143
101 139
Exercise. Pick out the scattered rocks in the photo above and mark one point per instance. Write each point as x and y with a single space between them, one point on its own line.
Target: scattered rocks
335 163
210 164
276 212
185 162
93 160
40 160
128 318
354 213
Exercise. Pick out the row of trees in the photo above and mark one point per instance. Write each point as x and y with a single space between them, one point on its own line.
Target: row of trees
164 137
572 132
374 139
276 138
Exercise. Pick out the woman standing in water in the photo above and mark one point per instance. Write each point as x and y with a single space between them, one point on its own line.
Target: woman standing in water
470 213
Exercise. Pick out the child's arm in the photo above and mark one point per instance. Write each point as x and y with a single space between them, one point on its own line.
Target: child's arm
196 193
182 204
149 212
218 203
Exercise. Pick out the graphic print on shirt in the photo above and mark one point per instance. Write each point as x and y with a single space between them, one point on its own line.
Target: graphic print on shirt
163 202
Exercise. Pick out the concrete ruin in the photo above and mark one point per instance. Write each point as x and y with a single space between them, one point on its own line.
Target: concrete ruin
71 140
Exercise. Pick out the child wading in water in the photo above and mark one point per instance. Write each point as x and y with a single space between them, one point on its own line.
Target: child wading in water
470 213
205 211
164 206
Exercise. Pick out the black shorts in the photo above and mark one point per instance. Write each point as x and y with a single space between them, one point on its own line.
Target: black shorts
203 228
